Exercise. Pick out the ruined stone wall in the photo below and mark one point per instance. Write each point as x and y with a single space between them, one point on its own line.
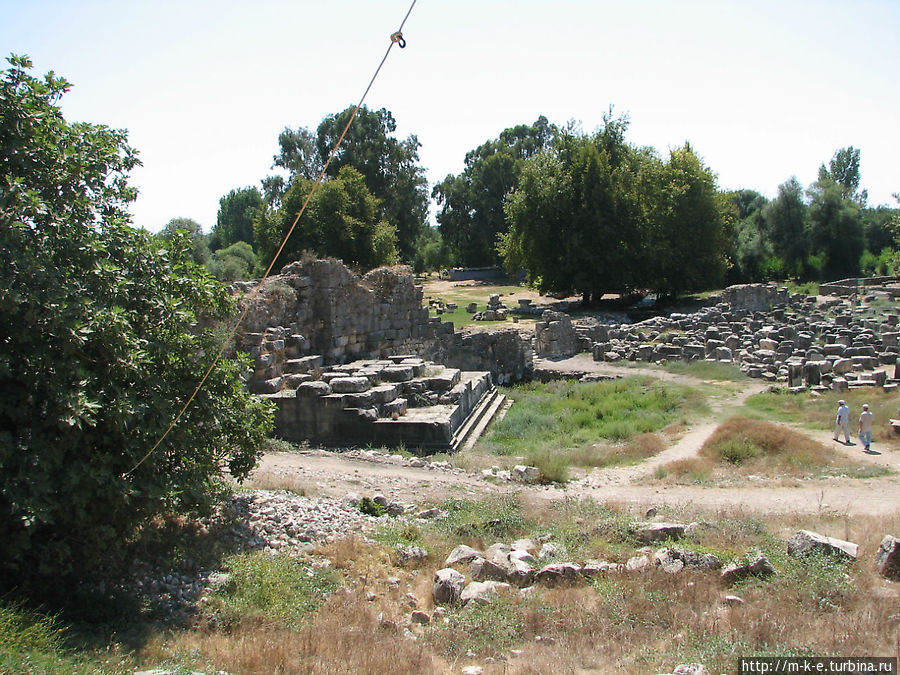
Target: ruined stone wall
318 313
754 297
505 353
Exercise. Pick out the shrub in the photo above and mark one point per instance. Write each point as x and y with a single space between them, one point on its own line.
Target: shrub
106 332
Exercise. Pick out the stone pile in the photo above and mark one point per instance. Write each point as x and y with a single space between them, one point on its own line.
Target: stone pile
495 310
319 307
345 403
829 345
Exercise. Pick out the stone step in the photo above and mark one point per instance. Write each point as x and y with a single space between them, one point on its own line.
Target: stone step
469 433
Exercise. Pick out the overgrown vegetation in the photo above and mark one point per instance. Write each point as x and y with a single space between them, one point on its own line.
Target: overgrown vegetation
591 424
348 605
744 447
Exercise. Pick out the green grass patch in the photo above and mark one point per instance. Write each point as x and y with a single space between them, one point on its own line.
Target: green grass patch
569 419
34 643
493 519
707 370
484 630
275 589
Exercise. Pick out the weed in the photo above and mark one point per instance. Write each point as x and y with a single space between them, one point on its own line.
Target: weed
485 630
274 589
370 507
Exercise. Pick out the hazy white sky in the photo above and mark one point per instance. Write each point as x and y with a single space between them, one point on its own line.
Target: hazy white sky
763 90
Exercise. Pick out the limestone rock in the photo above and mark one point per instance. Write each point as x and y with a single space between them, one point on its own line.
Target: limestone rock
447 586
462 554
760 567
482 592
887 560
481 569
650 532
559 573
805 542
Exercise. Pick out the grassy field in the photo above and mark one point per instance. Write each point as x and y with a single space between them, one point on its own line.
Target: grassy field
555 425
346 608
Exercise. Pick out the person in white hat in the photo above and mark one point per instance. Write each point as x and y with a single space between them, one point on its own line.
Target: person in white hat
842 421
866 421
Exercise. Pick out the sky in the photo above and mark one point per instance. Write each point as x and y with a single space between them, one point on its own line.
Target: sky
762 90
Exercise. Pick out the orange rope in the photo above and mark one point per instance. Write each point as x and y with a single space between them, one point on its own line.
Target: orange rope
284 241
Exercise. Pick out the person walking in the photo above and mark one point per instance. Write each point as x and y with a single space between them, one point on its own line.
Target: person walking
866 422
842 421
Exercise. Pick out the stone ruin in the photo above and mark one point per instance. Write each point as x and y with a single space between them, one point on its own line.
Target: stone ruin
356 360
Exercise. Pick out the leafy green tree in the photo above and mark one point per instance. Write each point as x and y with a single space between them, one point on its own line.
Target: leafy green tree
238 262
877 227
843 169
786 225
750 247
574 217
471 215
341 221
431 252
102 342
389 166
194 231
686 238
237 211
835 228
299 154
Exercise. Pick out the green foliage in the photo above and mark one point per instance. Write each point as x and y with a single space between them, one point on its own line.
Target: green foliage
107 330
235 263
484 630
341 221
237 211
370 507
33 643
276 589
593 214
431 253
835 228
194 231
471 215
389 169
495 518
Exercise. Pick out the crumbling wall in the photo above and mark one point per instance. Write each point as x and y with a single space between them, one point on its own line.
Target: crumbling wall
754 297
505 353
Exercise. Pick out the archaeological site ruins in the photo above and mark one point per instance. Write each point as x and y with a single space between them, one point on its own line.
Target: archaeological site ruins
358 361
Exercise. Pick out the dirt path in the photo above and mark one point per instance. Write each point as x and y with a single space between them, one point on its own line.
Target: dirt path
335 475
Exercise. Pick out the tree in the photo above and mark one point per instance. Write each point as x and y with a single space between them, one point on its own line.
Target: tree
472 216
686 236
341 221
843 169
573 219
835 228
194 231
235 263
106 332
299 153
388 165
785 219
237 211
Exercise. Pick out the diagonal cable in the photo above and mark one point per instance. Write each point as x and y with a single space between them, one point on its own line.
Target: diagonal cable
396 38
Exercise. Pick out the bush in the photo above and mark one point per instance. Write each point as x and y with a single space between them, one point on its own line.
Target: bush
106 333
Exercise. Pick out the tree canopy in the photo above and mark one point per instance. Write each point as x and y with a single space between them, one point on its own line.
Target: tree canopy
593 214
471 215
389 167
106 331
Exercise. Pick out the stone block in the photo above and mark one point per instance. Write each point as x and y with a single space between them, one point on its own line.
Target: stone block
887 559
805 542
398 373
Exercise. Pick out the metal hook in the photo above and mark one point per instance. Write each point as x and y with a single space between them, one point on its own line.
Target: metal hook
398 38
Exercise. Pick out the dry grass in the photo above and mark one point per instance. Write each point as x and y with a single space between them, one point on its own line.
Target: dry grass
742 447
